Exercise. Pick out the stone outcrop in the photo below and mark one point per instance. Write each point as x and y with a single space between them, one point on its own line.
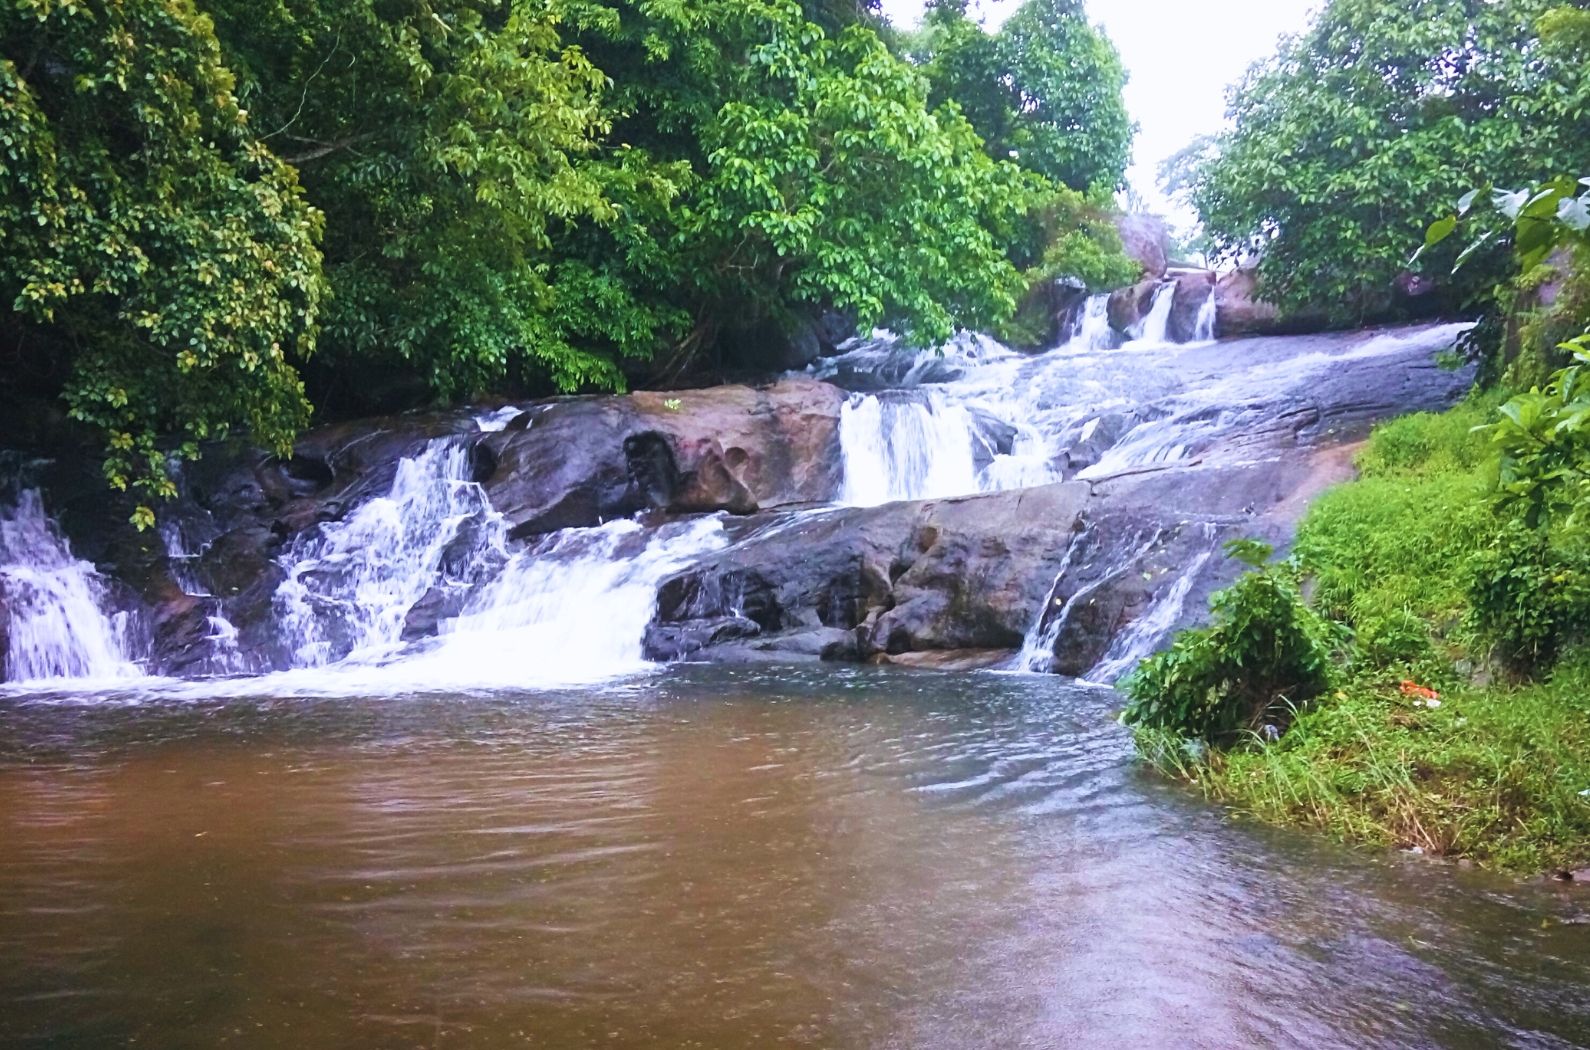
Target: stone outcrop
1192 292
1146 239
578 462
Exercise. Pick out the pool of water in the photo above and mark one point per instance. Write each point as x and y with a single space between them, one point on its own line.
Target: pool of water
714 858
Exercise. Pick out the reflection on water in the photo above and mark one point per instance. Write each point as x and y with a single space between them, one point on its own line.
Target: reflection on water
715 858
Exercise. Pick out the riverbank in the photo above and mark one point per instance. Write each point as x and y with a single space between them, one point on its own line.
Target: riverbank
1491 770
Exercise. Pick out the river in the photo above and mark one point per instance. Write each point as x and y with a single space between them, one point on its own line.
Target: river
713 857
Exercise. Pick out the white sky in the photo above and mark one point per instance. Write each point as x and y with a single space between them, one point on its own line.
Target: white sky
1180 54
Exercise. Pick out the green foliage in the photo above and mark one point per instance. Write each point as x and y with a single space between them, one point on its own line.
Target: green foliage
444 142
1494 775
1045 90
1529 596
550 193
1415 561
1349 141
147 235
1265 656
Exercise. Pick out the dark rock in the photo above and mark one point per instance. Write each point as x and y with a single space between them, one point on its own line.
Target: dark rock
675 641
833 328
733 448
1146 238
1129 306
1192 291
1047 313
950 659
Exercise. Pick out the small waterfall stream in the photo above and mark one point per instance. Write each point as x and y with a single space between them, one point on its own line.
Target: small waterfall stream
423 585
53 605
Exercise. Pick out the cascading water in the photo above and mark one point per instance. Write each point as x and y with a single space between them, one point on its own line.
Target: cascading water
1208 316
571 607
1145 633
55 605
1153 329
351 583
1092 332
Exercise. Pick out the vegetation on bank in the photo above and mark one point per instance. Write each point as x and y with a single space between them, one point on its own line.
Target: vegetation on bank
1427 731
1430 692
216 214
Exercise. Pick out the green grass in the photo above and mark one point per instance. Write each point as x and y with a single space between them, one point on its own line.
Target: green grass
1499 773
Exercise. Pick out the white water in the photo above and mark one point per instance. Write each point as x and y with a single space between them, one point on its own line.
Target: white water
55 605
1093 332
1208 314
575 606
351 583
1152 329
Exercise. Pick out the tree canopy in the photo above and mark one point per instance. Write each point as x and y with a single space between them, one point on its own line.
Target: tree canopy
202 199
1360 131
1044 90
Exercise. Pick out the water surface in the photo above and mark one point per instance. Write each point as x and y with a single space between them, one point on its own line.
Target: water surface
714 858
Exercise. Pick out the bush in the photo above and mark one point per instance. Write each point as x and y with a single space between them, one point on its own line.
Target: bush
1529 596
1265 656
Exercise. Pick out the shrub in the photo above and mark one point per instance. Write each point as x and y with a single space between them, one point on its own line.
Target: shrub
1529 596
1266 655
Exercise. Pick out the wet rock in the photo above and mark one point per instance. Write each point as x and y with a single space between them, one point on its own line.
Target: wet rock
1045 315
733 448
950 659
678 640
1240 311
1192 292
1130 306
1146 238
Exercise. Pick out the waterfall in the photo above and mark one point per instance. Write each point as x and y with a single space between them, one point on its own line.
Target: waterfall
1152 329
1208 314
1037 648
898 450
56 623
350 583
1092 332
571 606
1145 633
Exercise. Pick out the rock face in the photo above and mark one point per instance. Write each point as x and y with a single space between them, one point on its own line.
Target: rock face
979 572
583 461
972 573
1146 238
1192 292
1128 306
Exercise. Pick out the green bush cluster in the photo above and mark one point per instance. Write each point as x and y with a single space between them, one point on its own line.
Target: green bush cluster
1265 655
1529 596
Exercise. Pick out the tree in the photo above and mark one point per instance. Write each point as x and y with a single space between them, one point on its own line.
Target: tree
149 244
1045 90
811 173
1361 130
444 141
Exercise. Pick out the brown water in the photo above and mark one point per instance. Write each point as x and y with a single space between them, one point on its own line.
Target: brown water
715 858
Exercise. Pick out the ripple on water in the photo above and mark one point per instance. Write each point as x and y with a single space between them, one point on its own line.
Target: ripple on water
850 858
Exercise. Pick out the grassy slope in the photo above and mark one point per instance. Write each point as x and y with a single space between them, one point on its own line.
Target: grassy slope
1497 772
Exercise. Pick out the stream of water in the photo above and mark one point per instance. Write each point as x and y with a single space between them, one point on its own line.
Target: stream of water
861 858
511 831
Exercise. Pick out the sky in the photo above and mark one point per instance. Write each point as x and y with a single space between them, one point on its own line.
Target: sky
1180 55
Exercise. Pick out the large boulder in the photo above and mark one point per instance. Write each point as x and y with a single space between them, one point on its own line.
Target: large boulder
1129 306
975 573
581 461
1146 239
1192 292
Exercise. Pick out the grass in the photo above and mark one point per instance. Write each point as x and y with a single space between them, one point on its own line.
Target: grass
1497 772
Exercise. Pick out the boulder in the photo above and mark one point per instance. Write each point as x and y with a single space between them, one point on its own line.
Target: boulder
970 573
582 461
1047 313
1146 239
1239 310
1129 306
1192 292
